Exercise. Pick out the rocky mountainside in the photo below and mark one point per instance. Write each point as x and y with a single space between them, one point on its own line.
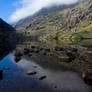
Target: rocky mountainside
23 24
71 22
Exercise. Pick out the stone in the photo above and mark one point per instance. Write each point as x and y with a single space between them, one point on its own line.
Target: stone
29 55
17 59
35 66
42 77
55 87
31 72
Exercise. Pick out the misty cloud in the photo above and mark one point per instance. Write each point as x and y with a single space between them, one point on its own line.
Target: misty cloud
29 7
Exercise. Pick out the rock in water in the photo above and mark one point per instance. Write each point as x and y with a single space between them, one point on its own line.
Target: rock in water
17 59
42 77
7 68
31 72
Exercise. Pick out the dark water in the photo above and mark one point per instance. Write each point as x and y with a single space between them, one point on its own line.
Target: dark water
15 78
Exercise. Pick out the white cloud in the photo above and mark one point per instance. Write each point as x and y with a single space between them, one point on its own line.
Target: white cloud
29 7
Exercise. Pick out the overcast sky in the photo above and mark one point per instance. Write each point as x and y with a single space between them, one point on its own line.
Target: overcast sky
14 10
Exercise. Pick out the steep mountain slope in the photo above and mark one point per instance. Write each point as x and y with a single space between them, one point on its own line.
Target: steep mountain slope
7 38
23 24
70 23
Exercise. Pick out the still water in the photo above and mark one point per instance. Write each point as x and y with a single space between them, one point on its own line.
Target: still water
14 77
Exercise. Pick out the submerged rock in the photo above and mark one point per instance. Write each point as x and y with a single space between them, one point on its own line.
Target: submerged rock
7 68
29 54
35 66
17 59
31 72
42 77
55 87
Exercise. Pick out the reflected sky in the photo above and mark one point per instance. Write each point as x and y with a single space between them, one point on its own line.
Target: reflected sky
15 78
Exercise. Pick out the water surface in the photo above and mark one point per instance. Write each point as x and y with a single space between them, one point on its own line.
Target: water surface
58 79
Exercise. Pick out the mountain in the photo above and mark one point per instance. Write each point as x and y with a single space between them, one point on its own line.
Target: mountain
5 27
71 22
23 23
7 38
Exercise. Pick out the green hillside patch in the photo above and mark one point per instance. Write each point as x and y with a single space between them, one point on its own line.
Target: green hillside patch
82 36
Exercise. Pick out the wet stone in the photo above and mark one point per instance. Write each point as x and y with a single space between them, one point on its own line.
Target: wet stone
55 87
17 59
42 77
31 72
35 66
29 55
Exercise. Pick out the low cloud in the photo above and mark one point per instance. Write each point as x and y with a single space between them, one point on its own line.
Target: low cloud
29 7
